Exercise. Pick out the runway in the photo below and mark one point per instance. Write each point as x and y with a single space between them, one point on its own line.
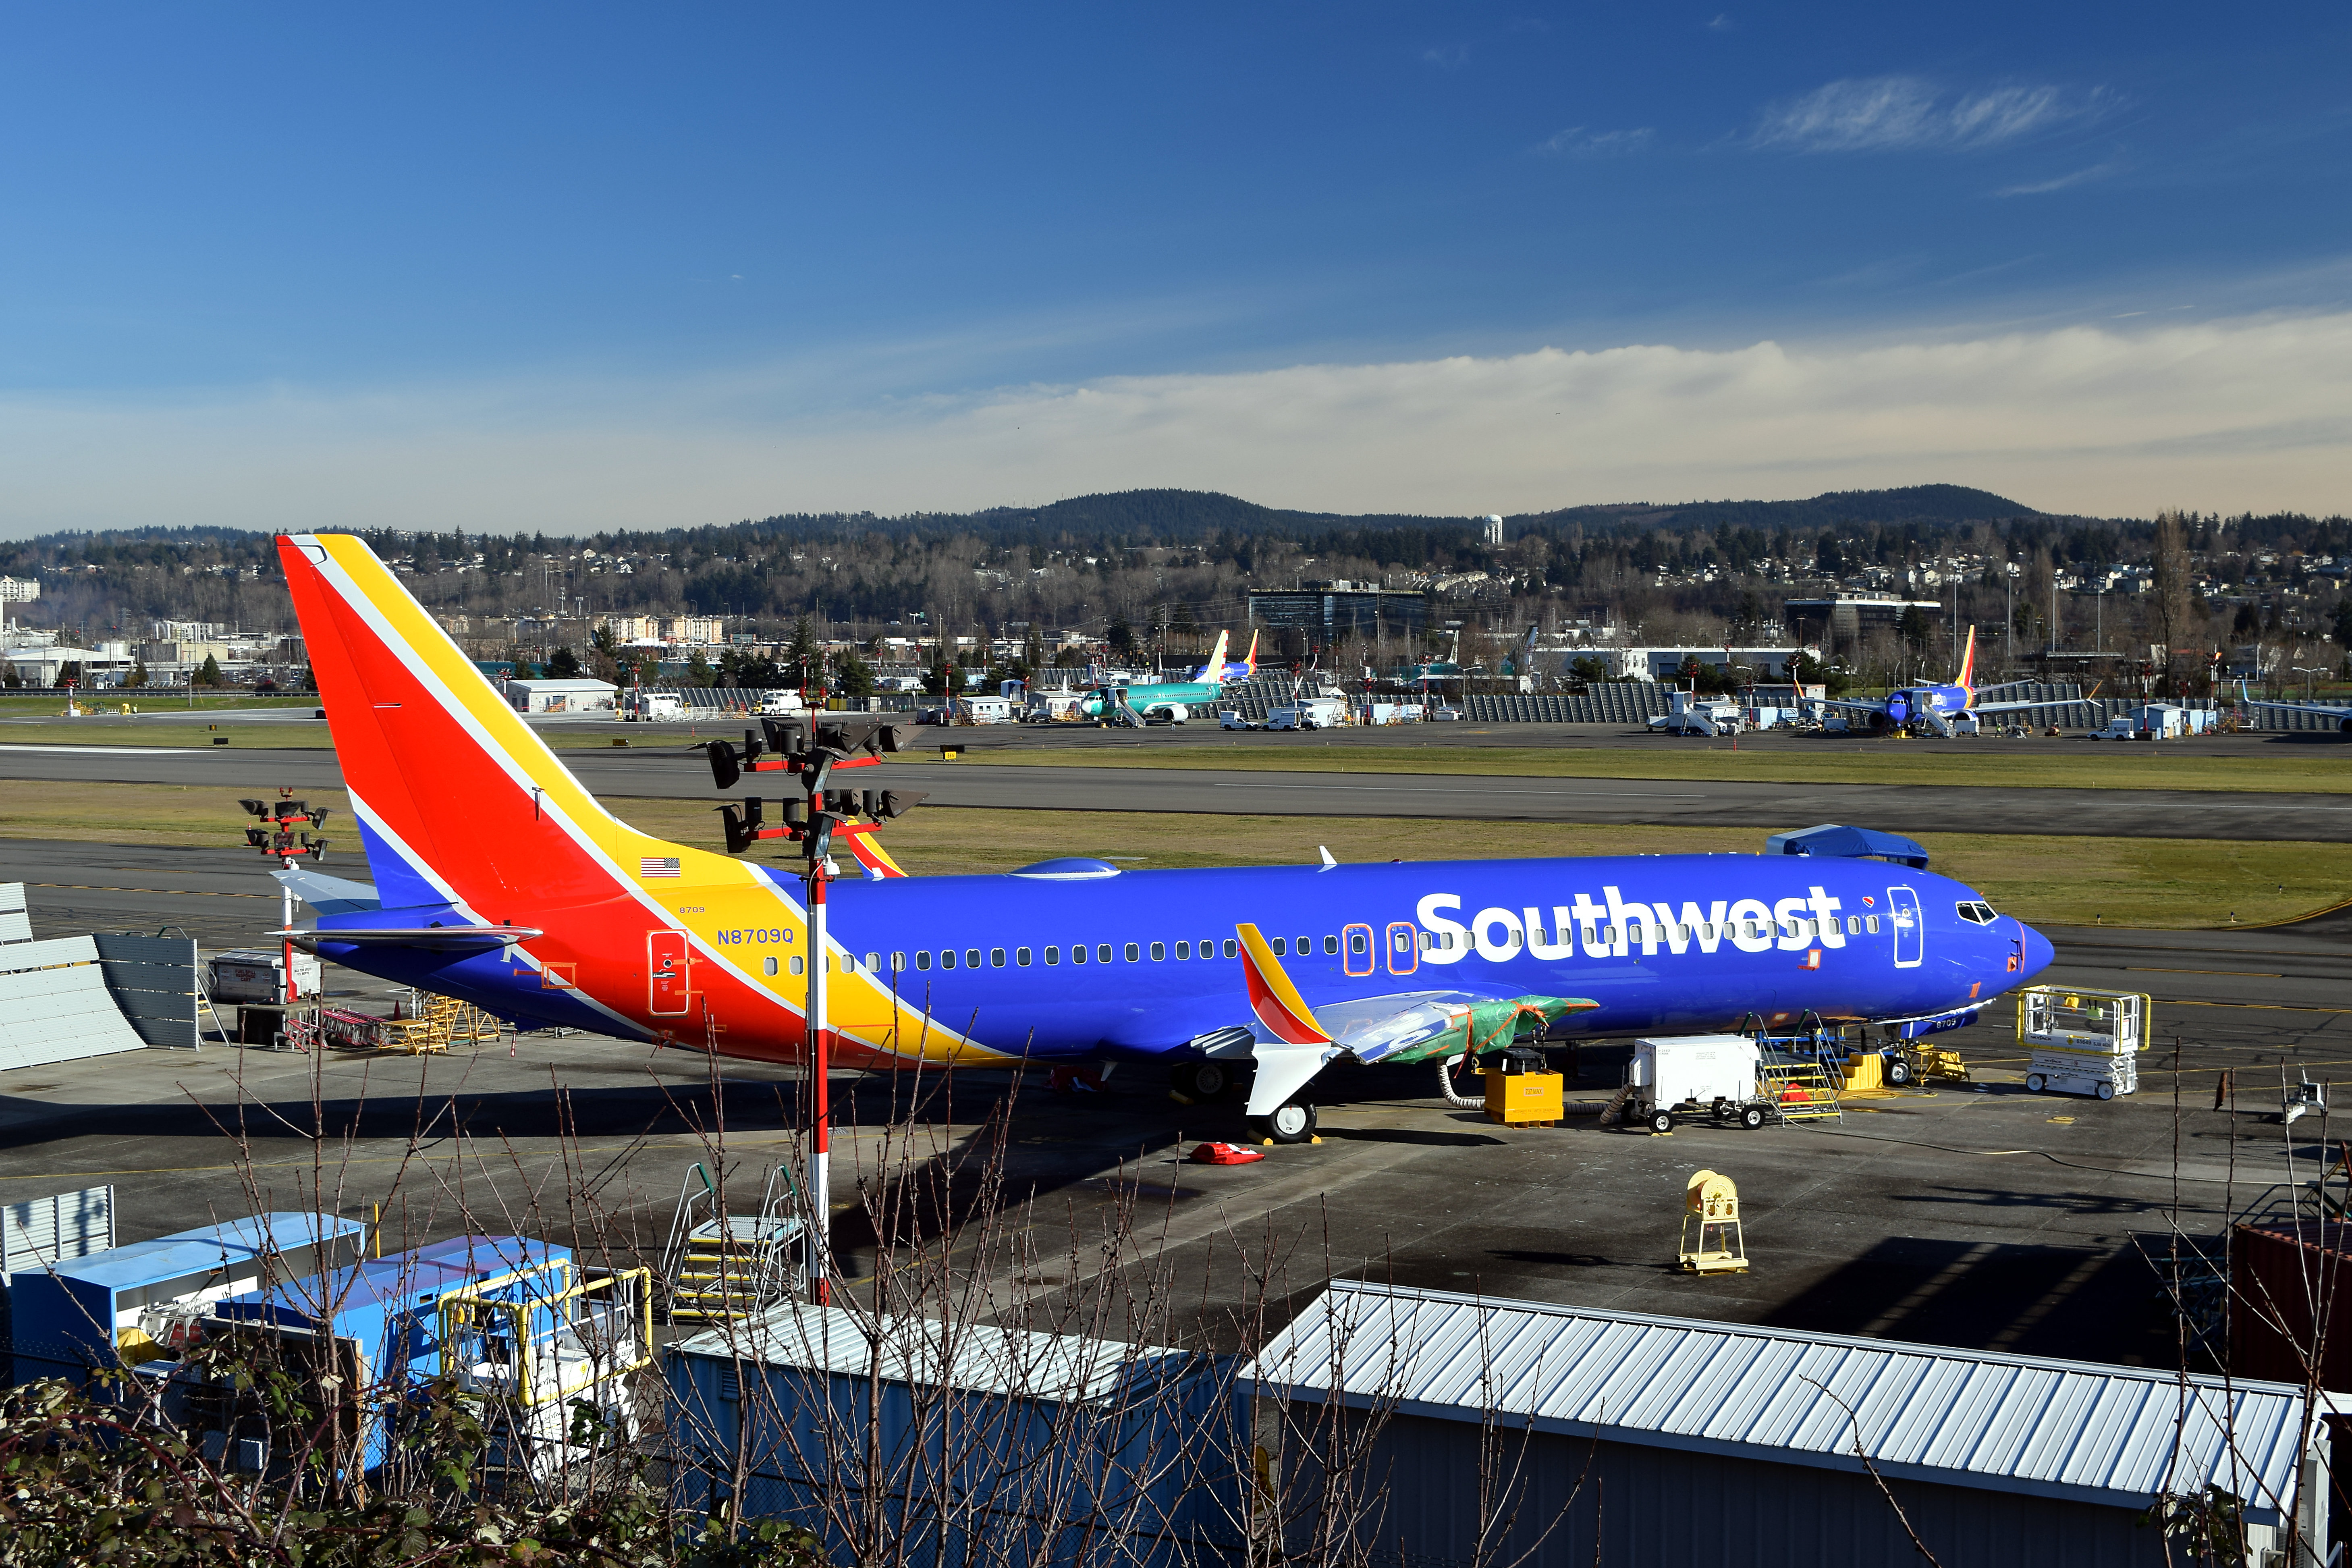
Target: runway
1898 808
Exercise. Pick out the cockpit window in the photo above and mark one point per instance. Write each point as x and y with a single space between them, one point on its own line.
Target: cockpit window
1977 912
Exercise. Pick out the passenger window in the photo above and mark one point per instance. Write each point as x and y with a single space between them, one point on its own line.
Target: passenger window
873 961
1184 950
1331 944
1233 947
1158 952
923 959
1102 952
1358 944
796 963
1134 953
947 958
897 963
767 966
1281 947
1021 956
1078 952
1208 948
1423 941
1853 925
1306 945
1871 921
1054 956
972 957
996 958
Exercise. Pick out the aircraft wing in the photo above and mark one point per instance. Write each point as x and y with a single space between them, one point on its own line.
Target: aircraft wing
1295 1040
2334 711
2023 707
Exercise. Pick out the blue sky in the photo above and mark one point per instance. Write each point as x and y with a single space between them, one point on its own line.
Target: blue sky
669 264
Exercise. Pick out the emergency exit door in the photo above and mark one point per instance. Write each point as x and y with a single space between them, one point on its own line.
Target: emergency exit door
665 975
1910 930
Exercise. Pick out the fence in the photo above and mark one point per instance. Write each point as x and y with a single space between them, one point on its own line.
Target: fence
154 980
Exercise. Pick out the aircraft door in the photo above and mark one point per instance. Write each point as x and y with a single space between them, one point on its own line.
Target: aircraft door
1356 950
1910 930
1404 948
665 973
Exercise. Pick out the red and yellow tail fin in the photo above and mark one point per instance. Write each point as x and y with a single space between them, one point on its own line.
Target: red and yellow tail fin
458 800
1249 664
1967 681
1272 996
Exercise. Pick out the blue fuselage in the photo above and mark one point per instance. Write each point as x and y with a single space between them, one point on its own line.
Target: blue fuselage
1137 964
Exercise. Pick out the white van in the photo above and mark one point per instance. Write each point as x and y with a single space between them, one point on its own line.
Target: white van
782 705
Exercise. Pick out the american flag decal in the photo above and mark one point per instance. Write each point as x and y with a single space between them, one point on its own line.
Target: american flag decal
658 866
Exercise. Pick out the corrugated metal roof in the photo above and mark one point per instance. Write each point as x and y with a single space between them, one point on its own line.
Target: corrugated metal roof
974 1357
2112 1435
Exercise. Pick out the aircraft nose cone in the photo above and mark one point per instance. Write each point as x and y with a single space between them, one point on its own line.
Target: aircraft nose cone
2039 953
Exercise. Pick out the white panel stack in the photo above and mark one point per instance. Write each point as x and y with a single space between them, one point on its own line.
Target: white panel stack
15 925
54 1006
36 1233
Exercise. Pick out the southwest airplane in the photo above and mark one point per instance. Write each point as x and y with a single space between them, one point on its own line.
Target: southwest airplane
1933 706
1171 699
500 881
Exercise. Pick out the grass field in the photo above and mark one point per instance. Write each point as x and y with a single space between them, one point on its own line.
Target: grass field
2169 883
274 734
2013 764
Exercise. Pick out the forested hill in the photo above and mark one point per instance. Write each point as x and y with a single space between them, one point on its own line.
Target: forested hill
1935 506
1183 517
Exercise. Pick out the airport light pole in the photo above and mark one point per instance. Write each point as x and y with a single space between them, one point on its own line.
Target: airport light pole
2307 674
812 749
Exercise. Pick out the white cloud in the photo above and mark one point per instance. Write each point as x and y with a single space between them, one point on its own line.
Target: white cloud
1895 112
2251 413
1576 142
2063 182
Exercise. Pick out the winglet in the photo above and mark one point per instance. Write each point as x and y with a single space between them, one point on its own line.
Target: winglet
1272 996
1325 851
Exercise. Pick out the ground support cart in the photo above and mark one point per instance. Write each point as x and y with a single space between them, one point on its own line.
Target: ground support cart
2083 1042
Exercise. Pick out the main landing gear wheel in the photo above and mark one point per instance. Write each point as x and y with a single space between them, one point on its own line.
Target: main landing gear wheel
1898 1071
1661 1121
1291 1123
1201 1080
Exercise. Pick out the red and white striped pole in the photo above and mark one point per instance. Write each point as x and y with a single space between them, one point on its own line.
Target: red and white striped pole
819 1192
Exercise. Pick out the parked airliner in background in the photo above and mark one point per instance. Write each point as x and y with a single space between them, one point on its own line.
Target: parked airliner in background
2336 710
498 880
1172 701
1932 706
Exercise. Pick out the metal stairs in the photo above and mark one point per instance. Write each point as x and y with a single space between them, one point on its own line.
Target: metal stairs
1799 1088
719 1267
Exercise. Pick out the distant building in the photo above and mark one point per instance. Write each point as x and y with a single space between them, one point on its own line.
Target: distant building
1494 530
1846 619
1661 663
1332 612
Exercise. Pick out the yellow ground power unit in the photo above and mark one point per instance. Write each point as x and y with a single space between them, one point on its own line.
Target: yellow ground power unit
1524 1098
1711 1239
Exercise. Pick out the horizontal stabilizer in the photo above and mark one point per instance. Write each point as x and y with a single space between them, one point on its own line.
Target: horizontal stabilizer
438 938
